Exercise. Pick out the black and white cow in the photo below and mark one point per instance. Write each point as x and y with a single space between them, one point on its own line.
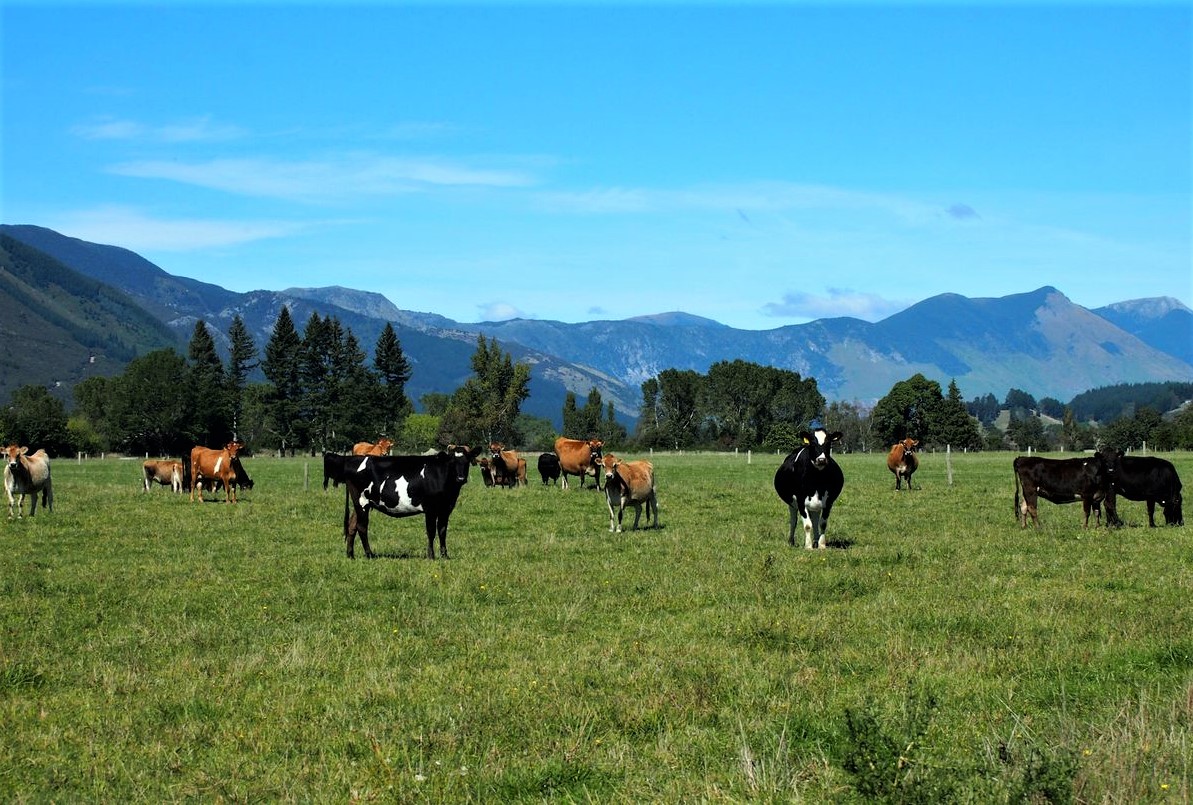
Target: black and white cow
1062 480
1146 478
809 482
403 486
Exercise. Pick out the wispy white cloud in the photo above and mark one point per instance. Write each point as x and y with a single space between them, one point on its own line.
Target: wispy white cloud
323 179
500 311
200 129
132 229
837 302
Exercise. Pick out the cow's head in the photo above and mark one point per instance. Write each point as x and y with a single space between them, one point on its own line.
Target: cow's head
819 445
384 445
594 447
13 453
459 458
908 445
233 448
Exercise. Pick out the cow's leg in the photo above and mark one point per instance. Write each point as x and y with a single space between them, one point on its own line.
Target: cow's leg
362 530
1151 513
637 513
793 514
898 480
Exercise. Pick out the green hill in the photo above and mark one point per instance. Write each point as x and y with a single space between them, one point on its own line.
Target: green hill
58 327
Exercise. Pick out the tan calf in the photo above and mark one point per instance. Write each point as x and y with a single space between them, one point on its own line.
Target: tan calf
630 483
164 472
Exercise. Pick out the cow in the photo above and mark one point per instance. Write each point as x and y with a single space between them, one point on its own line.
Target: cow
26 474
903 461
1061 480
1145 478
333 468
630 483
166 472
240 478
809 481
381 448
549 468
402 486
208 463
507 464
577 457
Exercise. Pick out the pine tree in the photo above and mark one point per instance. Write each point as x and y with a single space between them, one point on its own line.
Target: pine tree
393 371
281 368
211 423
242 359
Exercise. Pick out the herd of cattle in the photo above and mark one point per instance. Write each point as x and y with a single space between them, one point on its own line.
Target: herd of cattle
809 481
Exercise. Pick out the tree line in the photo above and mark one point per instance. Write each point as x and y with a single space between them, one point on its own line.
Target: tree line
322 394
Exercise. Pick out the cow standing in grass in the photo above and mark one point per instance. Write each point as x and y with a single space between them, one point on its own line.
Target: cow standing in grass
166 472
630 483
903 462
1147 478
578 457
403 486
1062 480
208 464
26 474
809 481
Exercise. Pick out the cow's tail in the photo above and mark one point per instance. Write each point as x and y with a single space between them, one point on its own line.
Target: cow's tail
1016 493
347 504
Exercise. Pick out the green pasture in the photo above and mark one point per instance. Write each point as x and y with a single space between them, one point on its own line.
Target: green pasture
155 650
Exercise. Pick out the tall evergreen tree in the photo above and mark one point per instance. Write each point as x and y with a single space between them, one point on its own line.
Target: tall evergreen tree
907 410
573 424
282 369
242 359
951 423
211 422
393 370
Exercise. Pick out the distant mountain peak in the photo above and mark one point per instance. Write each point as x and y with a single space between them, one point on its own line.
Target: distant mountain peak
1151 307
677 318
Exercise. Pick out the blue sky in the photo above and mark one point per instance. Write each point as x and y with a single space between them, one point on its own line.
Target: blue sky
759 164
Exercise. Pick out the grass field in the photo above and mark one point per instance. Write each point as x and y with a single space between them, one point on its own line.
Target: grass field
152 649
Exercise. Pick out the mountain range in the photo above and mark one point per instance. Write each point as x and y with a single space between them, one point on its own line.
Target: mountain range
1038 341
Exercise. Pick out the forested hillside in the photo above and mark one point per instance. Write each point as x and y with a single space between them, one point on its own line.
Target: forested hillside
59 326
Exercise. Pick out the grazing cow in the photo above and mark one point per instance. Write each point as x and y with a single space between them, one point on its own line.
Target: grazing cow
1061 480
577 457
549 467
165 472
208 464
1146 478
630 483
402 486
903 461
508 465
809 481
333 468
26 474
369 449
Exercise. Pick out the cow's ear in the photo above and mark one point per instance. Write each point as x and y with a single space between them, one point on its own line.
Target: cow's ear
837 436
805 437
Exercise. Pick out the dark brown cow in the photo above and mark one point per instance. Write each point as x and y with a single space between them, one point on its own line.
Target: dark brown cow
903 461
166 472
26 474
208 463
577 457
381 448
1061 480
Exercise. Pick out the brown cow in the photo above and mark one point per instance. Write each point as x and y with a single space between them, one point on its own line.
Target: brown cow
903 461
165 472
630 483
26 474
209 463
369 449
507 464
576 457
